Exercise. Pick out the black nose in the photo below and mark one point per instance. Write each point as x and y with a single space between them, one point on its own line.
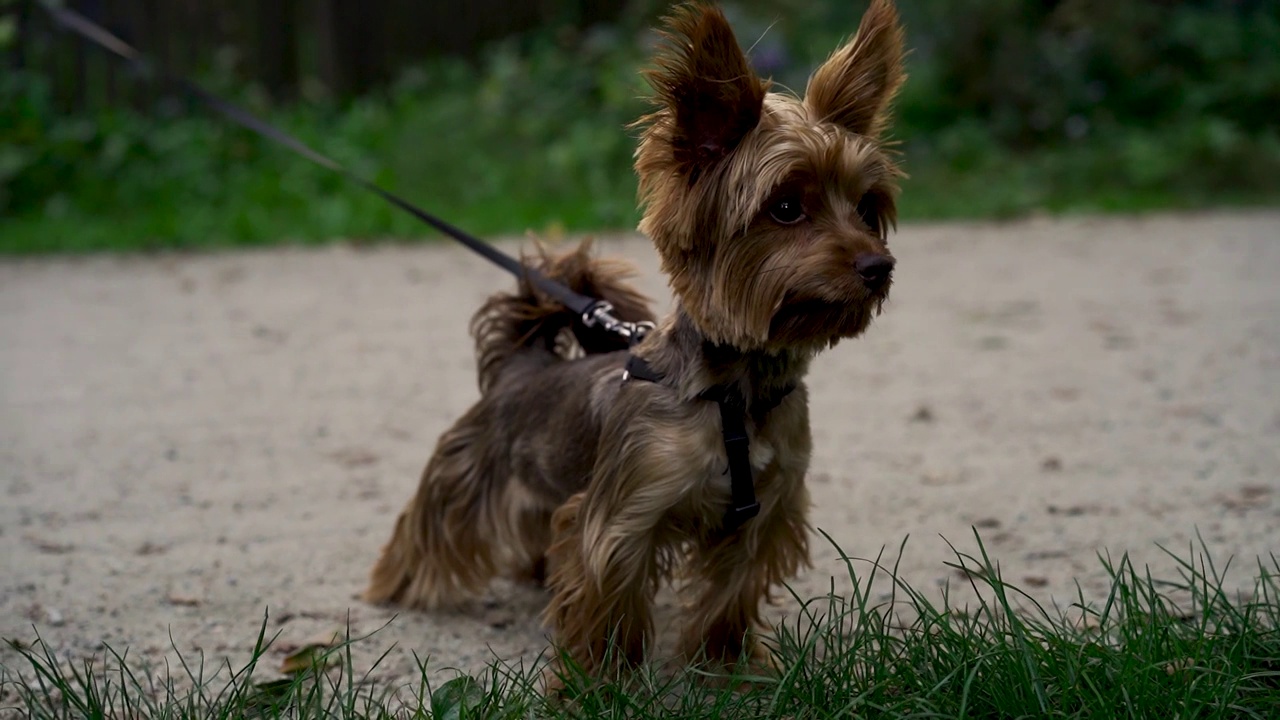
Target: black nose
875 269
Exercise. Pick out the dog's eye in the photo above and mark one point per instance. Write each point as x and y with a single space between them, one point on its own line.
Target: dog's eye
787 211
869 212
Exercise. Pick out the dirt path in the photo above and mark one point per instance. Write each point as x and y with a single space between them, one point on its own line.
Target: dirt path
187 441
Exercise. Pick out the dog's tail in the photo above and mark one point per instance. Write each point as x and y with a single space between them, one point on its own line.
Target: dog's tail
508 323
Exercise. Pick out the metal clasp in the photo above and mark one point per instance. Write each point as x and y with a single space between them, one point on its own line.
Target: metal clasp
601 314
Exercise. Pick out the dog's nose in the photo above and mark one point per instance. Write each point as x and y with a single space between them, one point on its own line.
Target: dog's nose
874 269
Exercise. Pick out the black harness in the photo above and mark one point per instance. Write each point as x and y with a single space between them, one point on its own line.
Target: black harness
733 422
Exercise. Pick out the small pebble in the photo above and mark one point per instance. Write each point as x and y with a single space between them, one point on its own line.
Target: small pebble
922 415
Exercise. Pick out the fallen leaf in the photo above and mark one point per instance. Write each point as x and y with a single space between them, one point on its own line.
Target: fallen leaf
269 697
150 548
183 599
1065 394
52 547
1252 492
309 657
313 654
354 457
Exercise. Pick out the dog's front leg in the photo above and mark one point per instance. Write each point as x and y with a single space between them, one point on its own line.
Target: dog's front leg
604 563
732 575
612 542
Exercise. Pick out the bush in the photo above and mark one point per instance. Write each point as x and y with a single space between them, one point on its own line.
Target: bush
1073 105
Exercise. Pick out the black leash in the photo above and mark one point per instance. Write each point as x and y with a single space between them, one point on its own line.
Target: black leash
593 313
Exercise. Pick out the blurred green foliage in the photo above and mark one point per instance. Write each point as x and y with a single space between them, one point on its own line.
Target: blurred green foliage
1012 106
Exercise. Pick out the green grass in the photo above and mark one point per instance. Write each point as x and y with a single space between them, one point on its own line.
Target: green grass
1182 647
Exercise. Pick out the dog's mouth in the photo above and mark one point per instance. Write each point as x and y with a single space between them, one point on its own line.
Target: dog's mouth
805 319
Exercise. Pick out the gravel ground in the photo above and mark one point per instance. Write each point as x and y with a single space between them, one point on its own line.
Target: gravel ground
189 441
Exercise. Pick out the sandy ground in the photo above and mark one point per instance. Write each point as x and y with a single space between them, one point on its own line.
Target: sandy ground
189 441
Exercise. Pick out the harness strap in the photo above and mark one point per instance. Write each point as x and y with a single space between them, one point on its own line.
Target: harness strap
733 414
742 488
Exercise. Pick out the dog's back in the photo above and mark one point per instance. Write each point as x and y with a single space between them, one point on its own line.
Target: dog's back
484 503
509 323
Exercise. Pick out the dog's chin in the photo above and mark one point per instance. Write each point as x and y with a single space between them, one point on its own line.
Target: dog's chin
823 322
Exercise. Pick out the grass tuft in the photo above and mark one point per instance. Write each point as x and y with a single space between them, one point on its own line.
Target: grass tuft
1178 647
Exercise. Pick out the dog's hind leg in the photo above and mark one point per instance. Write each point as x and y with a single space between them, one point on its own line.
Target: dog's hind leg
468 522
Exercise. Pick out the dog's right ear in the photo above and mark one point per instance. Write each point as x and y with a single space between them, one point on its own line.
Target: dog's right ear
705 87
854 87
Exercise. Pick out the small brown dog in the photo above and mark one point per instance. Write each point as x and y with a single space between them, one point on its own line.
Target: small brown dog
770 214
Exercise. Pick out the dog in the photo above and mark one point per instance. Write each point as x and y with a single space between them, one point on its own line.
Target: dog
600 469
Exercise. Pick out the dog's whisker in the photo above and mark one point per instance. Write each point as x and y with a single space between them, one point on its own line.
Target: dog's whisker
762 36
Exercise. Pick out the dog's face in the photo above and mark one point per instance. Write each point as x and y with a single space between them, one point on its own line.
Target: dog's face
770 211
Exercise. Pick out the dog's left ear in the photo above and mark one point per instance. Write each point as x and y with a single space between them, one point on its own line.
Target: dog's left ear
703 80
854 86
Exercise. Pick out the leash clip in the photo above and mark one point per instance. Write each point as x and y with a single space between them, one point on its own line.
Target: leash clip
601 314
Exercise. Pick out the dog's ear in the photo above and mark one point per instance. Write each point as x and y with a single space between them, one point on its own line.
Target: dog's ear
854 86
702 79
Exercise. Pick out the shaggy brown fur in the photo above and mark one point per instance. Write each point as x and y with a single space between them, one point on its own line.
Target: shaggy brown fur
770 214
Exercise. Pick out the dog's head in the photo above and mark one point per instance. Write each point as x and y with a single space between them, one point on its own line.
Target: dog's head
770 211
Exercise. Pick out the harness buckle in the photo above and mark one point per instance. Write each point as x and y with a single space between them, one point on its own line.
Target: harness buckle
737 515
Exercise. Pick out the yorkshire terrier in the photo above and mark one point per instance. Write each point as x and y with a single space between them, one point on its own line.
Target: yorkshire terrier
601 468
